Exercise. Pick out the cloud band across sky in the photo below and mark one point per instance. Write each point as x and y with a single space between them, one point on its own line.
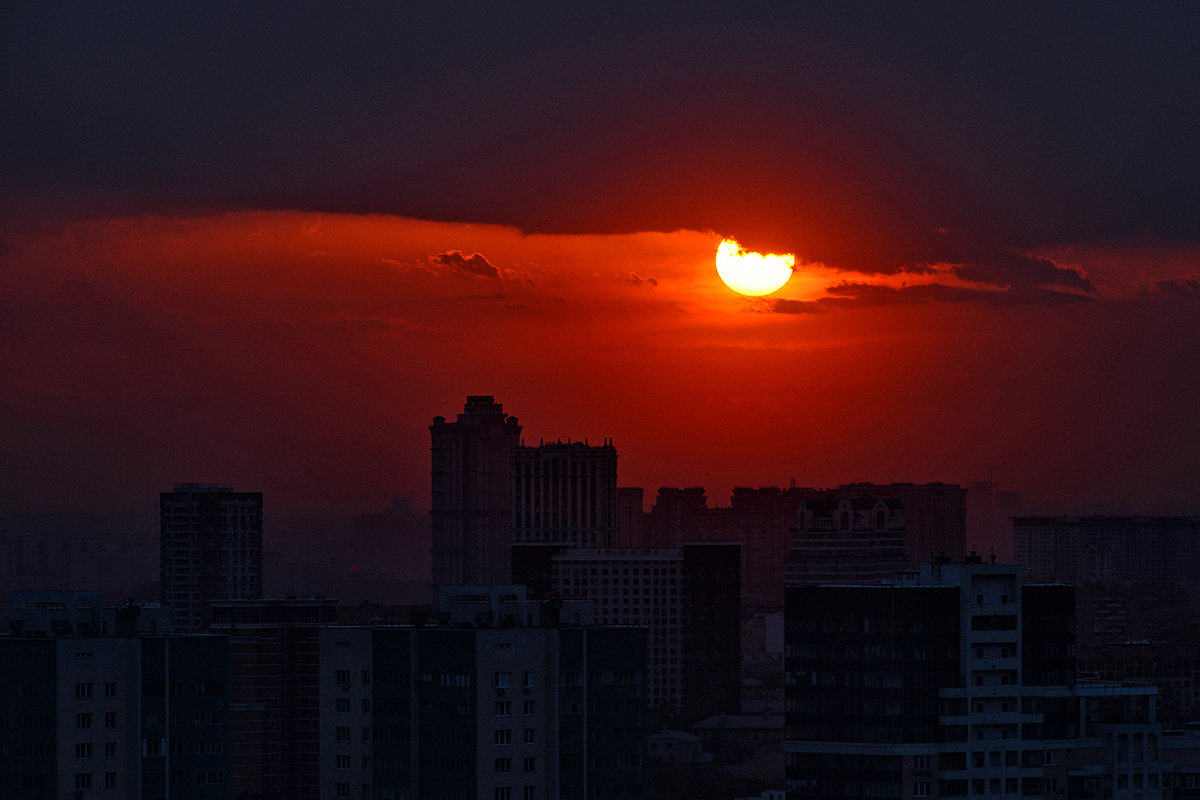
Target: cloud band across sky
306 353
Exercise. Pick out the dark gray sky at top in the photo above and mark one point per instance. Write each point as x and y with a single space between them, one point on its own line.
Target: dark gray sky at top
1023 124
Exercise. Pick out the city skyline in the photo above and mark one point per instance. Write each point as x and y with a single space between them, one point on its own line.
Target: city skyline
265 247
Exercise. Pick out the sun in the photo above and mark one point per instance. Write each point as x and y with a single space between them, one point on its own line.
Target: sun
754 274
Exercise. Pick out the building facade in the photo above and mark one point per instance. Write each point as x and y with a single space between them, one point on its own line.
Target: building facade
565 493
211 549
114 717
958 681
483 706
846 540
687 597
471 500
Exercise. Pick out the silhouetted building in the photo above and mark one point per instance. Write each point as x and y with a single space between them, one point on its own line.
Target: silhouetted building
565 493
761 519
471 510
116 553
688 598
678 515
505 699
114 717
631 517
846 540
212 549
1172 667
959 681
274 663
1158 551
935 516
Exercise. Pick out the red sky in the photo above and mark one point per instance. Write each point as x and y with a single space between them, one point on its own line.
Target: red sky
305 354
213 264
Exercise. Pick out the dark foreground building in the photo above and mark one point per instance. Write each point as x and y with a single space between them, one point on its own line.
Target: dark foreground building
114 717
960 681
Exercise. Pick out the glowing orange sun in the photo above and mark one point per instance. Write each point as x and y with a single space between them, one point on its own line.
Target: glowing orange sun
754 274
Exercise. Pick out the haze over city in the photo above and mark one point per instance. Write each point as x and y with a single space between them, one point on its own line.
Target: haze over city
264 245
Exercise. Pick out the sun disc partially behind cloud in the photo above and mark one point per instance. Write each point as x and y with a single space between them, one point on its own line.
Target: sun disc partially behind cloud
753 274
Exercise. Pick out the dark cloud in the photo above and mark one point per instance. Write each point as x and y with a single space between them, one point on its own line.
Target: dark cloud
799 307
1188 288
1009 268
853 294
638 280
883 123
474 264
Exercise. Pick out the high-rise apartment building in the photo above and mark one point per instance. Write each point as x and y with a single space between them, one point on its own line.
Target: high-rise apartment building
935 516
846 540
500 702
565 493
114 717
687 597
471 508
762 518
274 667
211 549
1163 552
959 681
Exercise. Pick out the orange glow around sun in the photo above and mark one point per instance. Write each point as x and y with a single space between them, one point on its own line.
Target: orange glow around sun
753 274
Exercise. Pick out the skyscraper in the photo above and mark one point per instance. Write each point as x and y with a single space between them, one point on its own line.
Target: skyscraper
471 508
211 549
565 494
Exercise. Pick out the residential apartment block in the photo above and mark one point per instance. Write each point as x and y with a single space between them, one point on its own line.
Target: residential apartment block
212 549
114 717
959 680
688 598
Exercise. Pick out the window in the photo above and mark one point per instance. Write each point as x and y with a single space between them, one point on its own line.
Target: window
503 766
342 733
503 708
110 749
110 719
342 761
921 789
527 680
83 780
83 721
342 678
527 707
83 750
366 734
341 789
529 764
502 793
343 705
529 735
530 793
503 680
110 780
83 691
110 689
366 706
504 736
